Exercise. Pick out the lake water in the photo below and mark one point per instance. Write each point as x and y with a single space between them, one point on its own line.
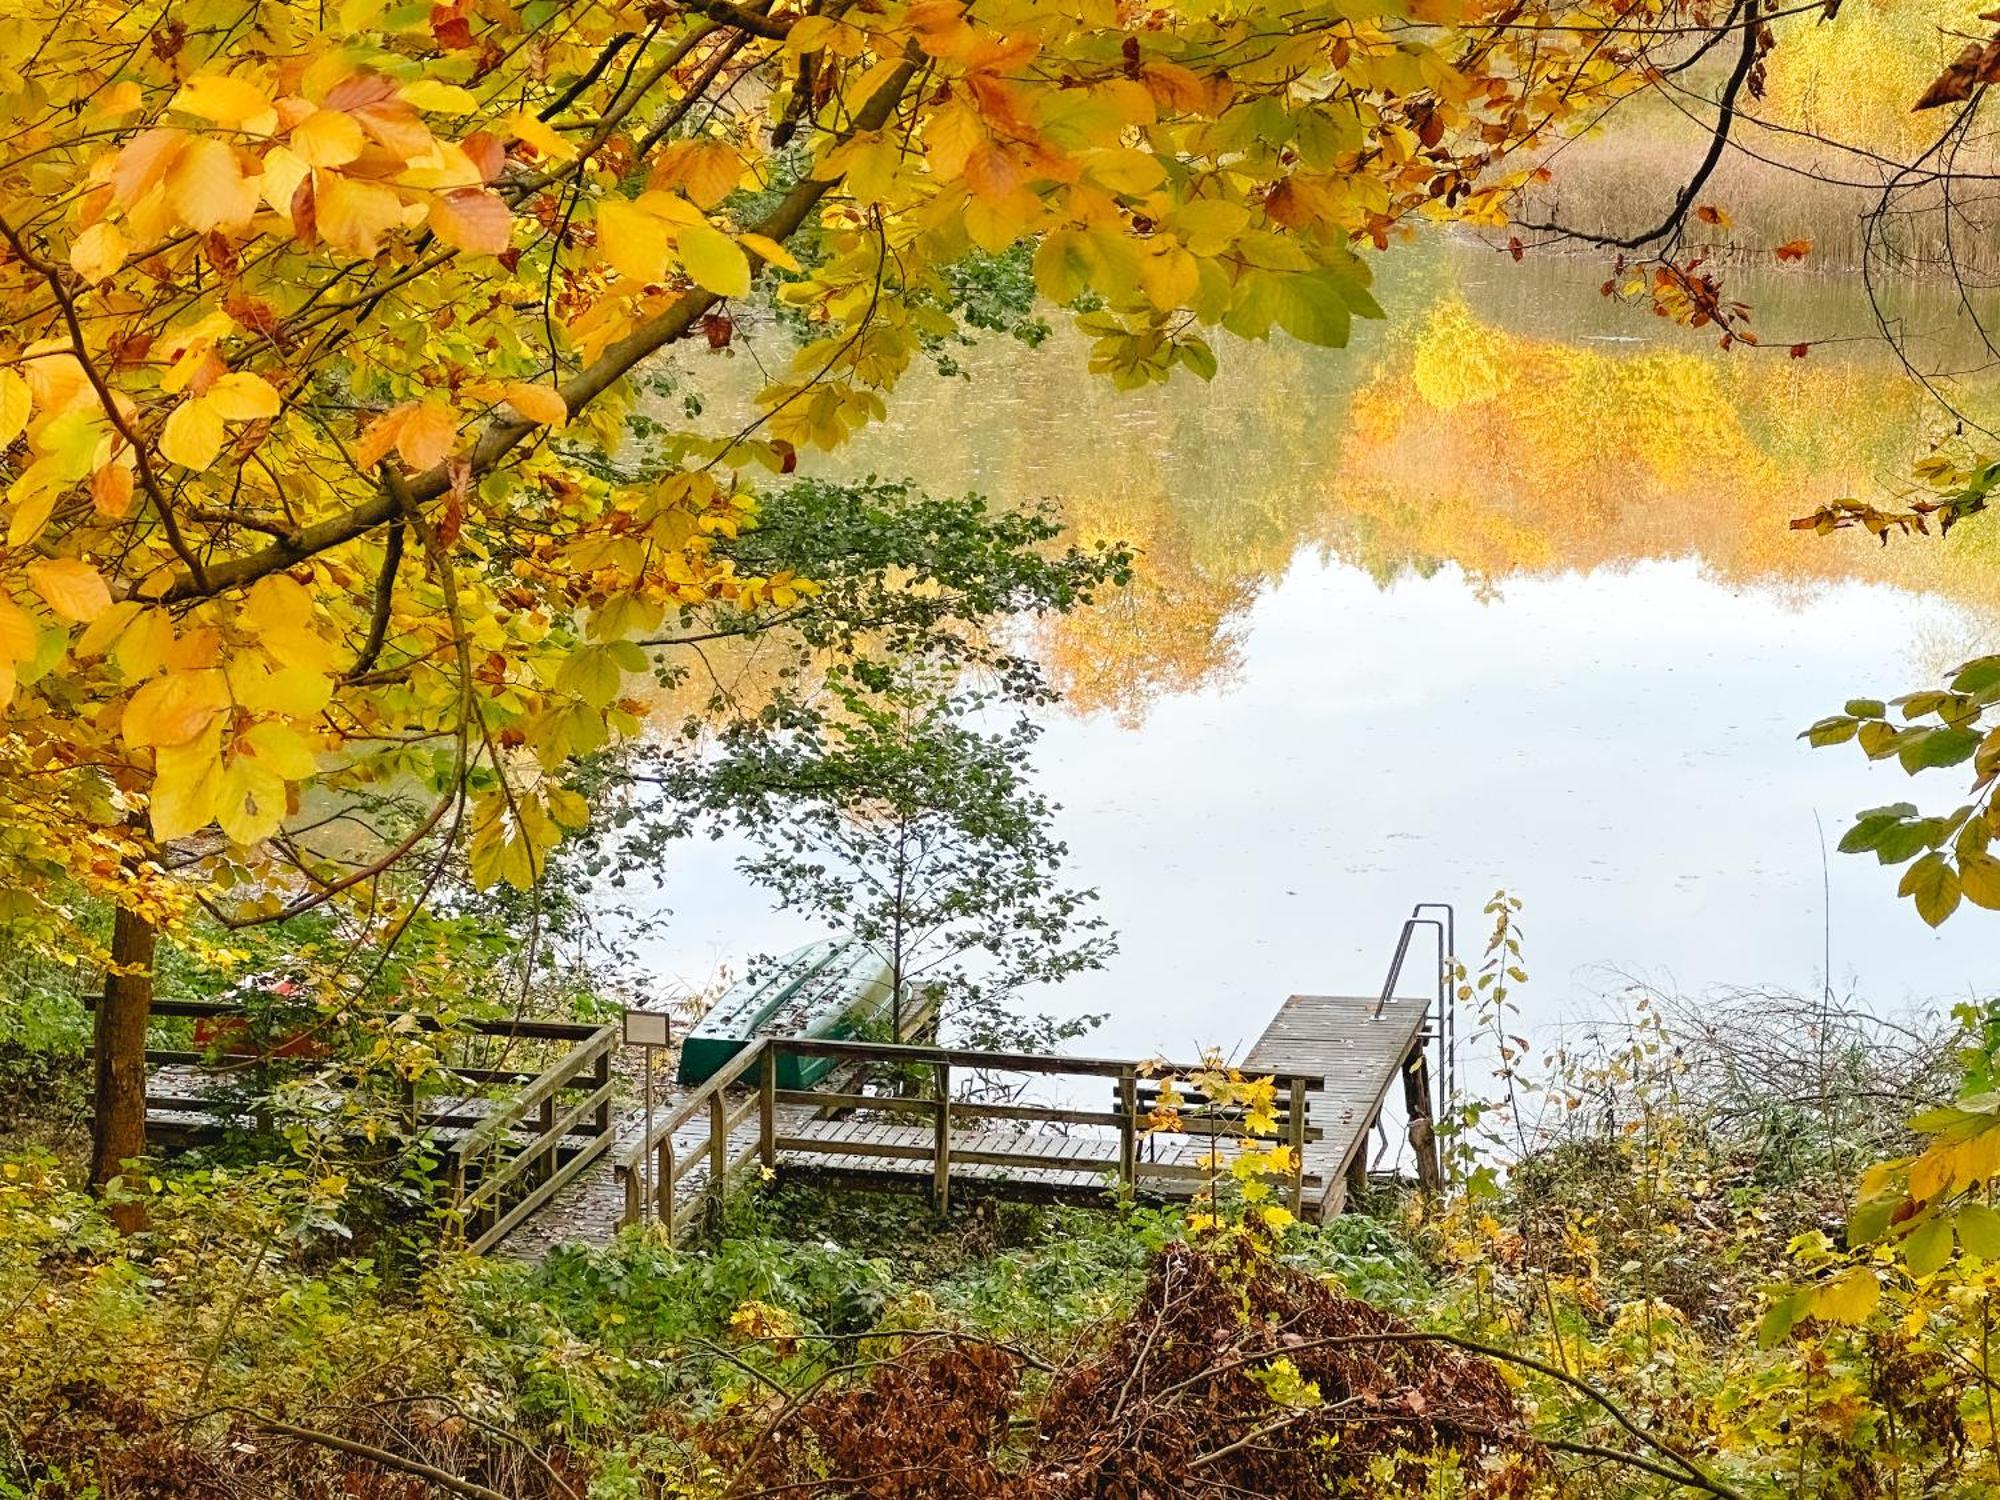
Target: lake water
1501 596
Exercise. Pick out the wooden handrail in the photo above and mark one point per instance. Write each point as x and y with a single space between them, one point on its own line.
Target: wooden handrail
546 1031
1003 1062
692 1104
550 1082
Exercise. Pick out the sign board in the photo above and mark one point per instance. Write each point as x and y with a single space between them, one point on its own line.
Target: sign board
646 1028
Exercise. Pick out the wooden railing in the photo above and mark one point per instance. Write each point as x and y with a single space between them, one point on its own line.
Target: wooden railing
657 1159
498 1179
503 1165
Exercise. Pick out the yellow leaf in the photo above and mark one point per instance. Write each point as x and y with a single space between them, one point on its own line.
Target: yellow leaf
193 434
143 644
111 491
525 127
250 800
326 138
353 215
1171 277
708 169
242 397
187 780
15 404
438 97
206 186
72 588
297 691
766 248
1849 1299
227 101
283 749
173 709
99 251
31 514
538 403
715 261
19 635
101 632
634 241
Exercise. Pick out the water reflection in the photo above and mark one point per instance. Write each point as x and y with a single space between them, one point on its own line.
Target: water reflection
1504 594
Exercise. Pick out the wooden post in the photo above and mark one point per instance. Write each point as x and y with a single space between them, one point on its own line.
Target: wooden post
767 1110
455 1228
663 1190
718 1152
1423 1131
941 1180
1357 1169
635 1193
600 1075
1298 1144
545 1160
1128 1131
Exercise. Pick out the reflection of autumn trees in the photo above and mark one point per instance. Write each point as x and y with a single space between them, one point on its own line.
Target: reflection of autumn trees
1171 630
1530 456
1496 438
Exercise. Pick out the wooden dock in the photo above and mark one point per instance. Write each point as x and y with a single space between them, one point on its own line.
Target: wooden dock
566 1156
1361 1055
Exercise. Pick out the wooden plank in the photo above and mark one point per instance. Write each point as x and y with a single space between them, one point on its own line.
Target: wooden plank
1358 1055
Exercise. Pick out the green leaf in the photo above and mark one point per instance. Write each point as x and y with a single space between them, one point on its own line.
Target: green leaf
1978 676
1311 308
1870 1220
1936 747
1929 1247
1832 731
1866 708
1979 1231
1198 357
1782 1316
1907 839
1869 827
1933 885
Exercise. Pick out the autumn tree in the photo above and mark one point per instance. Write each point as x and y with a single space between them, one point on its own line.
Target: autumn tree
331 460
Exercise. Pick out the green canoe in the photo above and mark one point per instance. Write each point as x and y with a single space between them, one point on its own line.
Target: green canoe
825 989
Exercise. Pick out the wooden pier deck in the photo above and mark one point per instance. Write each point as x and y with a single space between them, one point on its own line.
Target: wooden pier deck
1360 1055
565 1158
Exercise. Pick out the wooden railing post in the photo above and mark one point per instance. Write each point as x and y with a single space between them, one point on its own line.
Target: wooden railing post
941 1179
1128 1130
600 1074
767 1110
1423 1131
545 1160
663 1194
1298 1144
718 1153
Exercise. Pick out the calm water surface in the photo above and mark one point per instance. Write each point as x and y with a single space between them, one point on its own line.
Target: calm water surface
1503 596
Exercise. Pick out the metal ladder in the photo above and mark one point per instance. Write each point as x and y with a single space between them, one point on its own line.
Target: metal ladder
1443 1025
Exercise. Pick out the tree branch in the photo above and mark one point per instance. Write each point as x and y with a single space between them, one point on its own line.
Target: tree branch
577 392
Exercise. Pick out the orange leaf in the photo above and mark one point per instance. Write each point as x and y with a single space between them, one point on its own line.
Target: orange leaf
73 589
538 403
111 491
207 188
1794 250
427 436
472 220
353 216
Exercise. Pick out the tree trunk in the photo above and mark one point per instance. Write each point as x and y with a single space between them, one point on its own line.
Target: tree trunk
118 1119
